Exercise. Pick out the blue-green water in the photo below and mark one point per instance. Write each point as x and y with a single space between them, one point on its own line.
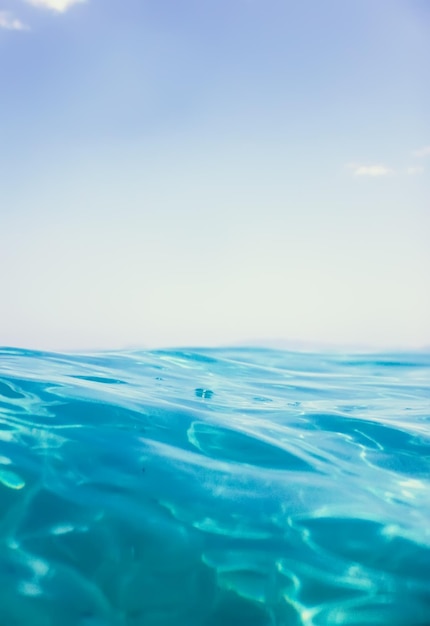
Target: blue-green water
231 487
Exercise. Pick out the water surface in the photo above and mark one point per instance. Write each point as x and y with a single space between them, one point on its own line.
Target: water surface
231 487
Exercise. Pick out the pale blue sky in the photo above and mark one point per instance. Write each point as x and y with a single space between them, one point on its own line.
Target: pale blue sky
188 172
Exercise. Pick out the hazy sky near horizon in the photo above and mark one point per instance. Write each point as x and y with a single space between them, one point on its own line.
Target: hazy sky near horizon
210 172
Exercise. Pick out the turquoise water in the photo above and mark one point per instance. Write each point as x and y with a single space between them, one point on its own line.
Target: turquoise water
231 487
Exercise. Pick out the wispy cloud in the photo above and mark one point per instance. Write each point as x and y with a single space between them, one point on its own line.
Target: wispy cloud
422 152
55 5
369 170
413 171
9 22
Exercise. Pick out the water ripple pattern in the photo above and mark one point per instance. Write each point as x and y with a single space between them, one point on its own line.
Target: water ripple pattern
233 487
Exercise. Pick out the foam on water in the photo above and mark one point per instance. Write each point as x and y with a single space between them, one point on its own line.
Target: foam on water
233 487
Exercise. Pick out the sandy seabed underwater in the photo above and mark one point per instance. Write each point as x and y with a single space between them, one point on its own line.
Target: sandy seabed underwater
206 487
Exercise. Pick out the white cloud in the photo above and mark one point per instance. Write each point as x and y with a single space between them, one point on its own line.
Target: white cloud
413 171
55 5
9 22
369 170
422 152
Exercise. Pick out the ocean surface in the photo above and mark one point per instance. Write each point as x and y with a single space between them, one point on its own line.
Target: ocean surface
214 487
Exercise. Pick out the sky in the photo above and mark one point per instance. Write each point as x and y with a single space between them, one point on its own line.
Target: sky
214 173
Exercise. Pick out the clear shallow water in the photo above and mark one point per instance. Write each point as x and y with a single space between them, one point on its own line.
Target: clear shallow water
232 487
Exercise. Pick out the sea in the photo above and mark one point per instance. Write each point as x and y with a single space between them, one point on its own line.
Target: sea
214 487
